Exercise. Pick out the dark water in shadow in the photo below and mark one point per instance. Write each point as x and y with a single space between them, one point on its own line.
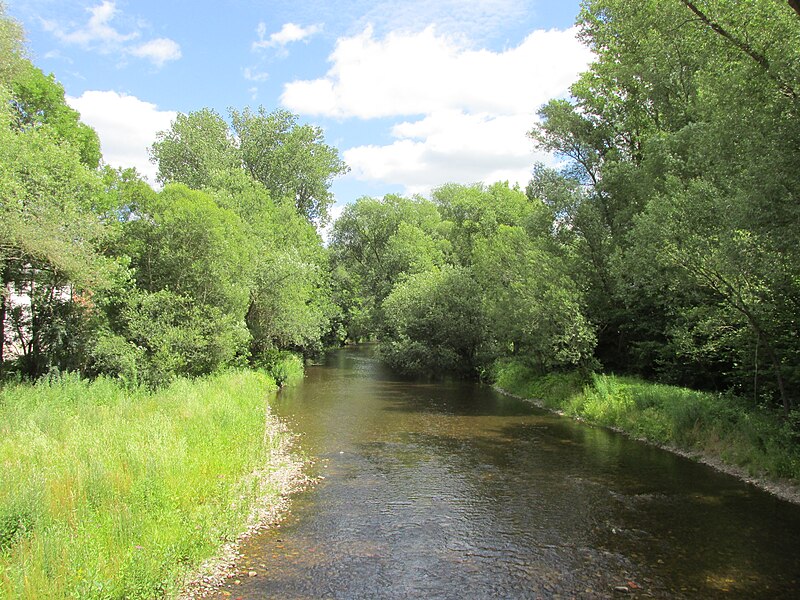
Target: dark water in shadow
451 490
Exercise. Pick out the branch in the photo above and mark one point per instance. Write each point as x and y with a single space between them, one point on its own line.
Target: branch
759 58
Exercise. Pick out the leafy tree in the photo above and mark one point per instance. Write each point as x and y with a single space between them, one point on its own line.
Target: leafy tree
532 304
290 160
12 48
49 242
185 243
682 137
435 323
472 211
376 243
194 149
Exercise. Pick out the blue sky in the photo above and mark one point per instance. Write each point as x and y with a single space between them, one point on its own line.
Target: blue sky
414 93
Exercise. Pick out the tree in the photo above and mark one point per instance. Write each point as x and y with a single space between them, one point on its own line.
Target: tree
49 243
185 243
471 211
290 160
194 149
435 323
534 307
375 243
12 47
689 105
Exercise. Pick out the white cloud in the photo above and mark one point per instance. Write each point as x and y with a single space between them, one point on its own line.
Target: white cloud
100 34
450 146
288 34
97 31
419 73
158 51
126 125
468 109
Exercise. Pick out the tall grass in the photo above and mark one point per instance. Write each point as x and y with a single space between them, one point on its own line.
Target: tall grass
754 438
107 492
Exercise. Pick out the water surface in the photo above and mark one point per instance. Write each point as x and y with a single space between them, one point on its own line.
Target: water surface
451 490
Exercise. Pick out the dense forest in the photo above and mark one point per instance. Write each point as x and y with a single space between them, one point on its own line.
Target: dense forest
665 244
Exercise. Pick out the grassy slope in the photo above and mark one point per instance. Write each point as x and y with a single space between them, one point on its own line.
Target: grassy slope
754 439
113 493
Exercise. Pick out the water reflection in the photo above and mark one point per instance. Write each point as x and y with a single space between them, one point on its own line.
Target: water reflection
450 490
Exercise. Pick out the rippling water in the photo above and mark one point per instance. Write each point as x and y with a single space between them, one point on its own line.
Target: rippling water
451 490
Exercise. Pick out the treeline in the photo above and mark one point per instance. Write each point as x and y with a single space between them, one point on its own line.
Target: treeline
103 275
668 245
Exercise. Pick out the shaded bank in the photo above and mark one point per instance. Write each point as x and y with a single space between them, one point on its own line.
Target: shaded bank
720 430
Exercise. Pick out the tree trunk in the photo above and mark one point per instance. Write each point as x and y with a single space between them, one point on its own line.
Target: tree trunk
795 4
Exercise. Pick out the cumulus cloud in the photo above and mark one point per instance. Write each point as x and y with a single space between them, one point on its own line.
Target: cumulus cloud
467 109
126 125
288 34
98 33
420 73
450 146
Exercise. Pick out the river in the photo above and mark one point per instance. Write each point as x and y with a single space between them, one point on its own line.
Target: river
452 490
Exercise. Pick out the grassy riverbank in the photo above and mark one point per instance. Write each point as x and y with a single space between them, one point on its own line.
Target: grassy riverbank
755 440
107 492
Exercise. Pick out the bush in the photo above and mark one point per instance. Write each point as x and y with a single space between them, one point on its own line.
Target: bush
284 367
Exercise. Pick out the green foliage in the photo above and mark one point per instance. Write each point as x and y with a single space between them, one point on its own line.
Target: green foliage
284 367
374 245
290 160
166 335
532 304
12 49
181 472
683 138
38 100
435 323
195 149
185 243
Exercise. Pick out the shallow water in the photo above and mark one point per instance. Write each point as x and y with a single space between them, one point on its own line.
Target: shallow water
451 490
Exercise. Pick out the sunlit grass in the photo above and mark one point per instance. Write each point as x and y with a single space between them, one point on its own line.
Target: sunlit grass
107 492
755 438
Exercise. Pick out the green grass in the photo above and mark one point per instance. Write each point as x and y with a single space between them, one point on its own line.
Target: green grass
107 492
754 438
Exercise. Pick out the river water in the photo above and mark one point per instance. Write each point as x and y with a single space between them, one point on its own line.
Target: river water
451 490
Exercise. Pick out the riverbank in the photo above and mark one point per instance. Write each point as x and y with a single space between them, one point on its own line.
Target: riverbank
113 492
720 430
